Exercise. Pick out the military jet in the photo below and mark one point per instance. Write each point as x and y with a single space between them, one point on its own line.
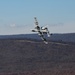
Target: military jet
41 31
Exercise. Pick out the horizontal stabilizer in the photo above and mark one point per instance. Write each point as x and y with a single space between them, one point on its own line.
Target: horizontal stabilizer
34 31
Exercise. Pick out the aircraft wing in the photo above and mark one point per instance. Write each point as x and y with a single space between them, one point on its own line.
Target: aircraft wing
42 37
44 40
36 22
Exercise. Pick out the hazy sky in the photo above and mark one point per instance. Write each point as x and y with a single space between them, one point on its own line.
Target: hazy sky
17 16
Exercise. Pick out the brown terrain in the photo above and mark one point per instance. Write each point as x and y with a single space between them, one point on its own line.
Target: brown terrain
24 57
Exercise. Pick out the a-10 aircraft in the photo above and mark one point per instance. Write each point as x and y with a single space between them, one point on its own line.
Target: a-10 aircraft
41 31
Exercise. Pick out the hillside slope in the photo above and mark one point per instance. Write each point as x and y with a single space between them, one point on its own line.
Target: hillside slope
67 37
29 56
